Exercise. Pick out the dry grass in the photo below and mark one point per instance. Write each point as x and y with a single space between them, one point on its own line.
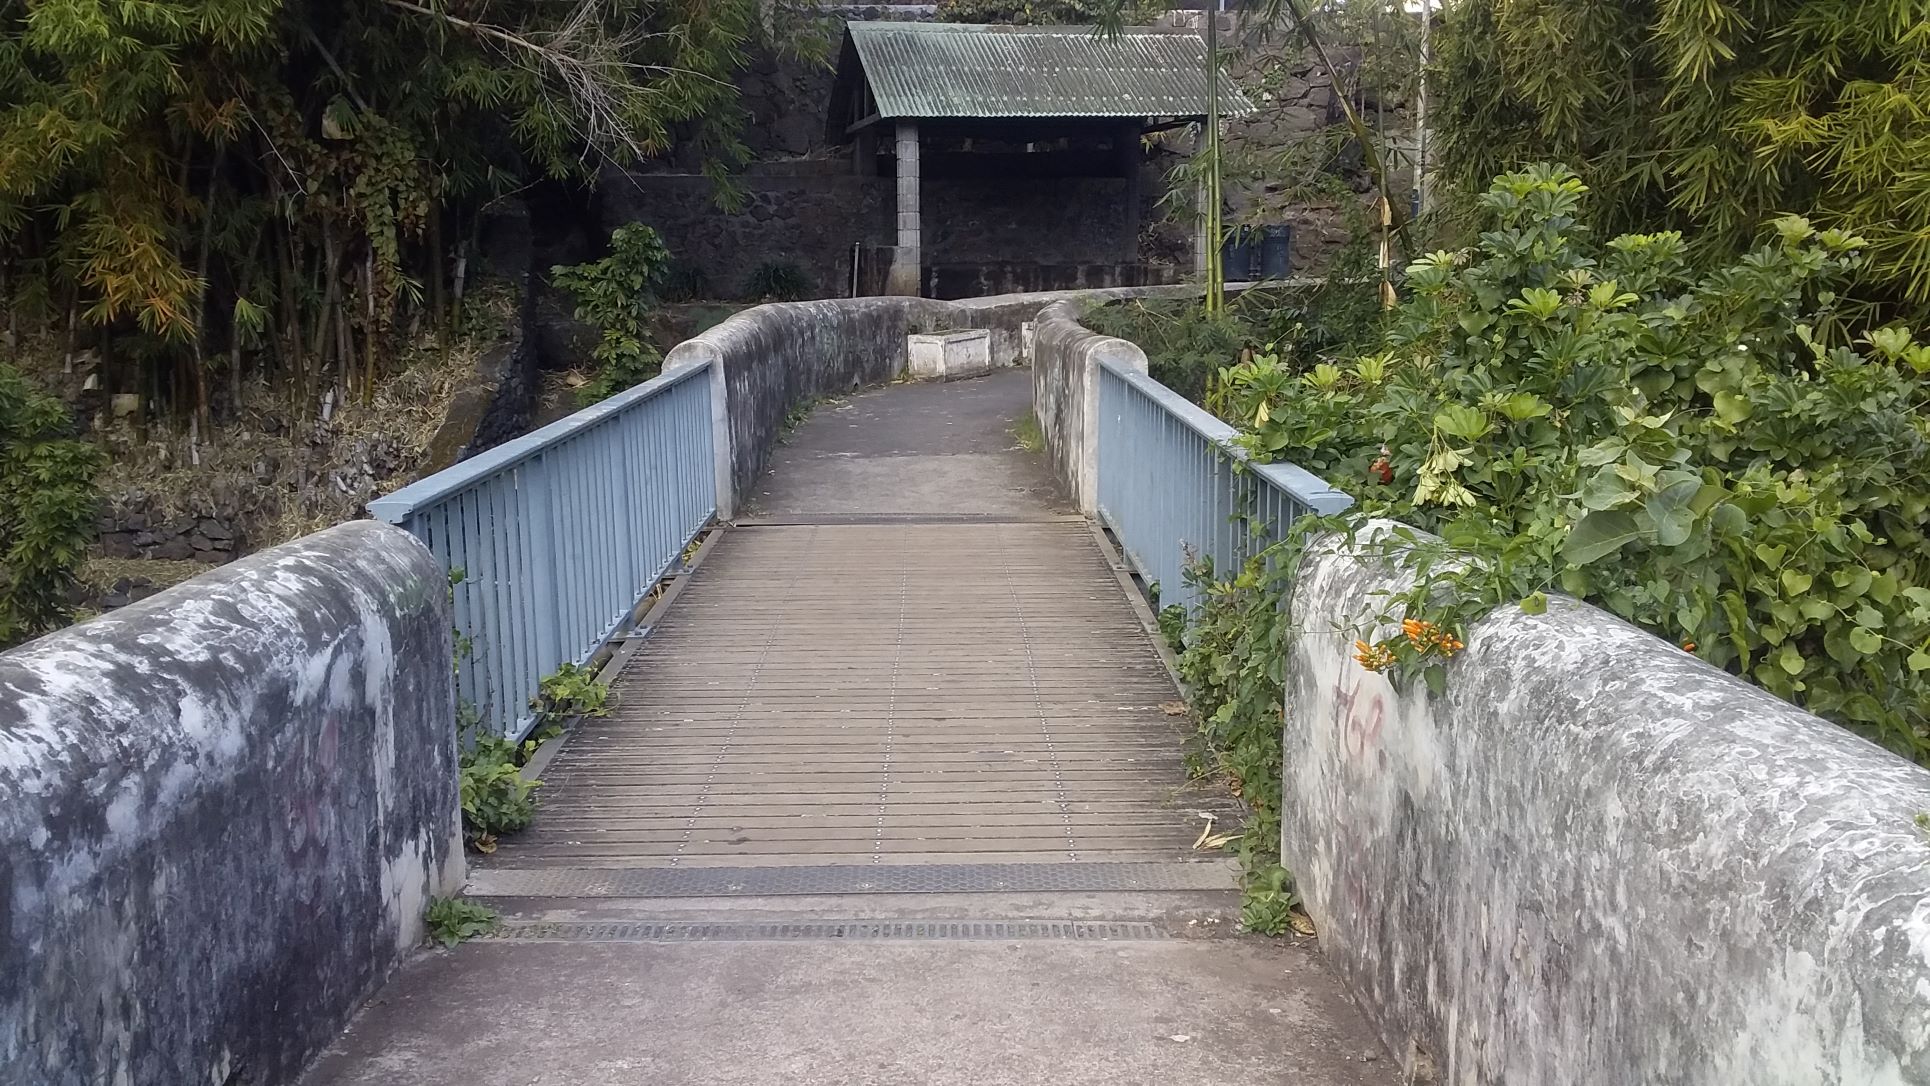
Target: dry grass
1027 433
285 477
100 575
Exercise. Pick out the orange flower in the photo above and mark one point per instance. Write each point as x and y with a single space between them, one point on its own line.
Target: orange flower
1373 657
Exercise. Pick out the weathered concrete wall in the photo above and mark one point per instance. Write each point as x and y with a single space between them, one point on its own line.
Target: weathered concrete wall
1596 860
222 811
1065 392
772 358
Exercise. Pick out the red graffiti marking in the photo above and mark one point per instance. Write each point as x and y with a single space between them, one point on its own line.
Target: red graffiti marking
1362 714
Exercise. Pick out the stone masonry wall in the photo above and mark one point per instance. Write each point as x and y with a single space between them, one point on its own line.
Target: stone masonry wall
1049 220
810 216
222 812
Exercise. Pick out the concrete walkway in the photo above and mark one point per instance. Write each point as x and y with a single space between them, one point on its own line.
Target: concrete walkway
889 797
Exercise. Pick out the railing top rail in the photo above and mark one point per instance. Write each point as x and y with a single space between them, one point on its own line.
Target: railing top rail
397 507
1294 480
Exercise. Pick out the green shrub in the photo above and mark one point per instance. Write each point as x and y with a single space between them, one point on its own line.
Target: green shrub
47 509
617 294
453 919
777 281
497 798
569 691
1020 12
1186 346
684 283
1711 456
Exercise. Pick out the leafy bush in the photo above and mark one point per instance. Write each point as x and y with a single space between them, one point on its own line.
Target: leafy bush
777 281
47 509
1021 12
1710 456
496 797
617 294
570 691
1231 666
453 919
1186 346
684 283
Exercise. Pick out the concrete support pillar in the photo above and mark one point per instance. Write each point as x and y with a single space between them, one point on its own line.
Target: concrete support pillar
907 265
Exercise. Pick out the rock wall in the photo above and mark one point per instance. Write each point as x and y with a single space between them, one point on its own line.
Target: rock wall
1046 220
134 528
809 214
1011 235
1595 859
222 811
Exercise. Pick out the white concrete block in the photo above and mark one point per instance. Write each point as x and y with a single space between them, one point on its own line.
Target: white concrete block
949 356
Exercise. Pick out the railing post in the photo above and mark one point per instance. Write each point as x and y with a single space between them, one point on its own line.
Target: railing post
547 611
720 440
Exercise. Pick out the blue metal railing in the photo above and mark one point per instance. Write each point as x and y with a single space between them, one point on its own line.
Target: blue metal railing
1174 488
560 533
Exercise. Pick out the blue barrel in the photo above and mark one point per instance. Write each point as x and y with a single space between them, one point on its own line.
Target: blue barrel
1239 258
1276 251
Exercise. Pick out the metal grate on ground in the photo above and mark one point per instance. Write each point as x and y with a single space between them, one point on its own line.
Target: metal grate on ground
648 931
686 882
882 694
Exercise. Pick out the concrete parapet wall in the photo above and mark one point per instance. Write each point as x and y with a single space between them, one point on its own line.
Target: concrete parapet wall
773 358
1595 859
222 811
1065 392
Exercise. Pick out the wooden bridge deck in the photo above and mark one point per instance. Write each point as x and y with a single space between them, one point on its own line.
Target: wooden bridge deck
887 665
882 693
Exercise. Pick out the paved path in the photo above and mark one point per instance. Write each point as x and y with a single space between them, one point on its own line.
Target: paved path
889 797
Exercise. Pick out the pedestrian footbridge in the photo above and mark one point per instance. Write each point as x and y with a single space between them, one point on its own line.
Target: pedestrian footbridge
895 786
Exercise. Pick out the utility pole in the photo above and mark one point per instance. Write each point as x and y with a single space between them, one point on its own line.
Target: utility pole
1215 267
1420 113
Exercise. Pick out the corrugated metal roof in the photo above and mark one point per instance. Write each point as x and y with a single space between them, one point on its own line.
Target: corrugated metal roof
962 70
